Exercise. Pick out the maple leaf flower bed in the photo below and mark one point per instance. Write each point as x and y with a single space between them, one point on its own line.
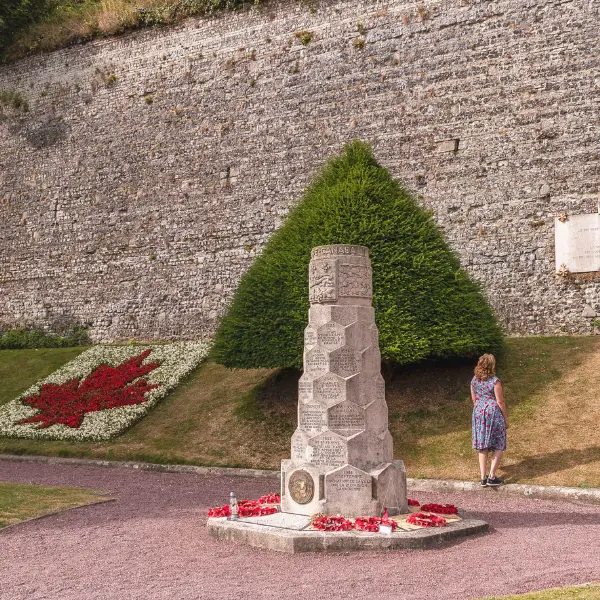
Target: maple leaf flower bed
100 393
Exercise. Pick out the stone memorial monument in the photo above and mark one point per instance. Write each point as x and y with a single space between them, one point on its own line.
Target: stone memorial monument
342 455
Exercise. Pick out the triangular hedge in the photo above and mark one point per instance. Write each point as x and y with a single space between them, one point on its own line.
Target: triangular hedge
425 304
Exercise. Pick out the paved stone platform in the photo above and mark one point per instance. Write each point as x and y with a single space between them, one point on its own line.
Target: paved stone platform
284 532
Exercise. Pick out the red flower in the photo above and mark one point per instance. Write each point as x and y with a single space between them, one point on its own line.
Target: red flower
326 523
445 509
412 502
270 499
106 387
373 523
424 520
246 508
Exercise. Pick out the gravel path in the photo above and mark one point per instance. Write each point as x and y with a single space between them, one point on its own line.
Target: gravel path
152 545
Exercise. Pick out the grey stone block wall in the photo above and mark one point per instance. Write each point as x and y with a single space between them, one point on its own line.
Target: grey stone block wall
151 168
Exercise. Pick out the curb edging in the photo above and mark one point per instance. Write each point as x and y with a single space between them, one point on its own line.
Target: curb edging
140 466
540 492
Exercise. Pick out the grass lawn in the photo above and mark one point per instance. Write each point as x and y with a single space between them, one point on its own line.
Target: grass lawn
21 368
20 502
245 418
584 592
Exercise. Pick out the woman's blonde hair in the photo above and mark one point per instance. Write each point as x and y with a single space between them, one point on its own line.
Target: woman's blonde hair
486 367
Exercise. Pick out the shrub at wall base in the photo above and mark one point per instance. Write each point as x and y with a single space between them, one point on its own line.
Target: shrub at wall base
425 304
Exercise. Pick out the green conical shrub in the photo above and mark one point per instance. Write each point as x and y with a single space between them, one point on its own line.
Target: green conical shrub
425 304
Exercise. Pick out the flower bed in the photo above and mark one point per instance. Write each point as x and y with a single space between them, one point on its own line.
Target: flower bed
101 393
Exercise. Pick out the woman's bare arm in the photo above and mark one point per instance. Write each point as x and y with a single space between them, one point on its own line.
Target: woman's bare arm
498 391
473 397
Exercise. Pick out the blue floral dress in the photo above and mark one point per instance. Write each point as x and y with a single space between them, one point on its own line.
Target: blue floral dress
489 426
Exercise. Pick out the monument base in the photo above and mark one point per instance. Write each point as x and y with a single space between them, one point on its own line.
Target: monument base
285 532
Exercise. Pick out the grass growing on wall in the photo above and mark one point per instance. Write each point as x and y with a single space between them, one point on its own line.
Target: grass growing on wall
28 26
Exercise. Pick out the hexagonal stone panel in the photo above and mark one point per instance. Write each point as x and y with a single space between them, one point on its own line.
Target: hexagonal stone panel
349 486
329 389
358 336
312 418
366 450
319 314
376 415
345 361
346 418
316 362
300 450
371 360
331 336
328 449
344 315
305 388
310 337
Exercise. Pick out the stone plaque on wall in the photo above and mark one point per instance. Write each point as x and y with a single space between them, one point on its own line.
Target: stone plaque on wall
577 243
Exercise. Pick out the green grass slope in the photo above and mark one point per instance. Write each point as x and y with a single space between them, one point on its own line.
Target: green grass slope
246 417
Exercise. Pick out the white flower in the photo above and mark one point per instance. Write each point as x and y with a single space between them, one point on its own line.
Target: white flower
176 361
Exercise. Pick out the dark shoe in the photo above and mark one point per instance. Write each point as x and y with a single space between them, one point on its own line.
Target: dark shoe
484 482
495 482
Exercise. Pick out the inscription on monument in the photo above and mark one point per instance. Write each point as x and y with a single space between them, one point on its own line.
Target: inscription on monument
305 388
312 417
339 250
316 362
310 337
329 451
348 480
329 389
345 362
346 416
577 243
330 336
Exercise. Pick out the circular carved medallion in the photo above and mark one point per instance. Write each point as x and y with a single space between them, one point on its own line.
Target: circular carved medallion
301 486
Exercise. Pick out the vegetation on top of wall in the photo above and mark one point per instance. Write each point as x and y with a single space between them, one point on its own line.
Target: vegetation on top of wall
425 304
14 100
23 337
28 26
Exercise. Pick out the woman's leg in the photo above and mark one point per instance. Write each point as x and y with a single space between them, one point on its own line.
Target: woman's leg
496 456
483 456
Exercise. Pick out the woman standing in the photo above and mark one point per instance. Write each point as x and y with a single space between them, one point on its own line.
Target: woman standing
489 418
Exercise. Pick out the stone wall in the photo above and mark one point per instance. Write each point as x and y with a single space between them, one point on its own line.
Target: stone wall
151 168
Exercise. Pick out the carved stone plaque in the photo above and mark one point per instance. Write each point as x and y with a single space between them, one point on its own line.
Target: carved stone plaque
316 362
331 336
577 243
328 449
355 280
301 487
349 479
312 417
323 281
346 416
345 361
